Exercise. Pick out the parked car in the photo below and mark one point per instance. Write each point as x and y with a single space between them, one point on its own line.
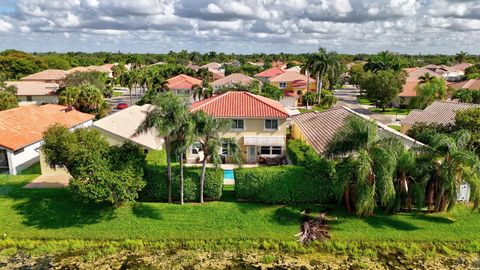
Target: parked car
121 106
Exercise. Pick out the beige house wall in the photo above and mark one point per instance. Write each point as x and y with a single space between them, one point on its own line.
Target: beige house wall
405 128
252 127
37 100
46 170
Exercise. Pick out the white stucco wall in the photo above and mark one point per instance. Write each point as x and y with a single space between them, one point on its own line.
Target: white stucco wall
30 154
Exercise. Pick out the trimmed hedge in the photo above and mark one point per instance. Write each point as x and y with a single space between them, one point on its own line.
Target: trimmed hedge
286 184
157 185
156 189
301 154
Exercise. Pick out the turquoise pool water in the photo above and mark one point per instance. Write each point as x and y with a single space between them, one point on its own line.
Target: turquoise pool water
228 174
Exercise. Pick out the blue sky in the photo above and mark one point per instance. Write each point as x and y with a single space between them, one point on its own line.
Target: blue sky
241 26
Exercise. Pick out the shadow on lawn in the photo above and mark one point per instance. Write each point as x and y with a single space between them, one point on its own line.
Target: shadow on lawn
53 208
388 221
144 210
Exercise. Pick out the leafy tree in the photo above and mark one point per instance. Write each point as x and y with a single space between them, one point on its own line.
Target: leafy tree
424 132
168 111
367 173
461 57
95 78
101 173
7 100
469 119
309 98
468 96
271 91
383 86
357 74
428 92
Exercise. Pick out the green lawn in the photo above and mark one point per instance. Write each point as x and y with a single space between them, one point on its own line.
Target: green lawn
117 93
397 128
52 214
364 101
391 111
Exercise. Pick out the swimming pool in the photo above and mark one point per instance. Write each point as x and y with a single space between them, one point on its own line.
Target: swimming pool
228 175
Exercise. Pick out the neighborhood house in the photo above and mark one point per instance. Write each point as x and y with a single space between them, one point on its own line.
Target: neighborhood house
35 93
21 132
259 125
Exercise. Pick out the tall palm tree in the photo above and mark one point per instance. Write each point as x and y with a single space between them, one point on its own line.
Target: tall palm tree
319 64
183 139
367 172
451 163
383 61
425 78
208 131
460 57
168 110
127 80
197 92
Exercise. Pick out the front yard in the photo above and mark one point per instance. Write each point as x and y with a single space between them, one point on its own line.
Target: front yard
391 111
52 214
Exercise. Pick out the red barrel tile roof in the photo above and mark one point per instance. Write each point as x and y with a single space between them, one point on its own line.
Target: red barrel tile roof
240 104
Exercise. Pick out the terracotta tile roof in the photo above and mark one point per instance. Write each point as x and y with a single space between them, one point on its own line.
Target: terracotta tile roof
271 72
233 78
473 84
23 126
32 88
240 104
182 81
109 66
409 90
46 75
439 112
461 66
290 76
319 128
216 74
193 66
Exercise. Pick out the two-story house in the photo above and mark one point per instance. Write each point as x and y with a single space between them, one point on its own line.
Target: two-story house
259 124
294 86
182 85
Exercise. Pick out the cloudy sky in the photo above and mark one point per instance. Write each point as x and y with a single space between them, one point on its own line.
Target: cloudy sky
241 26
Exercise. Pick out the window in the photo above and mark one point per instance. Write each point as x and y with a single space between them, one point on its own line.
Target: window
238 124
265 150
224 150
270 150
3 160
271 124
29 98
282 85
183 91
276 150
195 149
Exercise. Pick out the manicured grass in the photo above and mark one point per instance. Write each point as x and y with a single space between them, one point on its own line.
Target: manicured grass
364 101
391 111
314 108
397 128
117 93
52 214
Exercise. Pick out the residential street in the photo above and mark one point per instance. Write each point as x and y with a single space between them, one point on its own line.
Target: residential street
348 97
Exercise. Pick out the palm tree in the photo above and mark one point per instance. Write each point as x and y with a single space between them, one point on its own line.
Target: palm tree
367 172
127 80
319 64
425 78
450 163
383 61
208 132
183 139
197 92
164 117
460 57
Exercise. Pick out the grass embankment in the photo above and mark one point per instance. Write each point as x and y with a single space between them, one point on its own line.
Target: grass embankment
393 111
364 101
397 128
52 214
117 93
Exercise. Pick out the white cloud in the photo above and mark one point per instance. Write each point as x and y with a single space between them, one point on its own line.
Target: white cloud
5 26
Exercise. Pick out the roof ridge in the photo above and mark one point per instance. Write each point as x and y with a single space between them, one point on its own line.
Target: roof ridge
261 99
213 98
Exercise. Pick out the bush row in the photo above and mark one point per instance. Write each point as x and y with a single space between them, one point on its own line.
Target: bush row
286 184
301 154
156 188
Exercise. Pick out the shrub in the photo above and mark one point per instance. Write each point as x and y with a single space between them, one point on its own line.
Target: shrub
286 184
157 186
301 154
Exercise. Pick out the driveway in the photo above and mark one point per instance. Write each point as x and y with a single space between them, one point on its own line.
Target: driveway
53 180
124 98
348 97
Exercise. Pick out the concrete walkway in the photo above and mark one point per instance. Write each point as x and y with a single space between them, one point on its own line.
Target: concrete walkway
54 180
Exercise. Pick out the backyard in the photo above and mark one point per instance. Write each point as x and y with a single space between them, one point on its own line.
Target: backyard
52 214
